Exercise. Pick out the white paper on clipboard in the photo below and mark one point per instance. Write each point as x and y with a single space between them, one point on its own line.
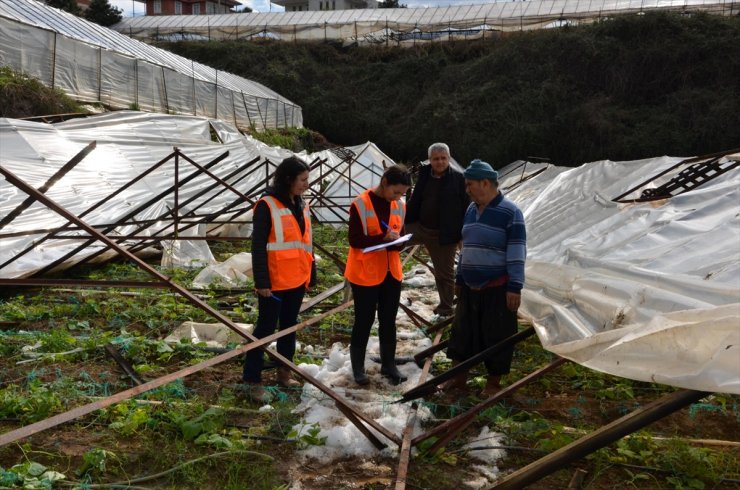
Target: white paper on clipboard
397 241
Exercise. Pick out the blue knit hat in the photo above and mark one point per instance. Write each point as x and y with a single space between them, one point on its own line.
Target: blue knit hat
480 170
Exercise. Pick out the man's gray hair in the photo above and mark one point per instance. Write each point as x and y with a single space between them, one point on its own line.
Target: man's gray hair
438 147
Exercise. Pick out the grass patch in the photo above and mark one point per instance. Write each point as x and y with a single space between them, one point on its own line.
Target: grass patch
24 96
178 429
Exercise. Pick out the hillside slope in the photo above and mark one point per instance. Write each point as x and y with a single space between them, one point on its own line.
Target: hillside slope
626 88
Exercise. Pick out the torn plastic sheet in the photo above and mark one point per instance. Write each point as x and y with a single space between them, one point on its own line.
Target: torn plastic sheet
232 272
648 291
210 334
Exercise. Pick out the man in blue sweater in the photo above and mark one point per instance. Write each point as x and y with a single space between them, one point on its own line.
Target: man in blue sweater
490 276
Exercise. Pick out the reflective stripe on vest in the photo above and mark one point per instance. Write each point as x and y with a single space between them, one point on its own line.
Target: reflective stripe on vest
287 268
370 269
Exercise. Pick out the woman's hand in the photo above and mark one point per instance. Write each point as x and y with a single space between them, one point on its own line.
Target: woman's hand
265 292
391 235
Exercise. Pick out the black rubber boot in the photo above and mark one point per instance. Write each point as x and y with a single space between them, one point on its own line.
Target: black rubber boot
388 364
358 365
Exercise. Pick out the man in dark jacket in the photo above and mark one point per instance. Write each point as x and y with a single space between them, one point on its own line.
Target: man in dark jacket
434 214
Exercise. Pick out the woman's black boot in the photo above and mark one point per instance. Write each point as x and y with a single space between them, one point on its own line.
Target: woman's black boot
388 364
358 365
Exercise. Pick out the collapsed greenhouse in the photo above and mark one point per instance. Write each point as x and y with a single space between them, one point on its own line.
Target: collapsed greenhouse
632 266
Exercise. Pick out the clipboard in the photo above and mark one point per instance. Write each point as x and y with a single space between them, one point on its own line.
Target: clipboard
397 241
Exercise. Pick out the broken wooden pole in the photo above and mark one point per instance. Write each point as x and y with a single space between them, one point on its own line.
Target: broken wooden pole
448 430
597 439
430 386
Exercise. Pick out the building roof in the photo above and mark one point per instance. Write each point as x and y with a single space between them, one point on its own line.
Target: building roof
348 24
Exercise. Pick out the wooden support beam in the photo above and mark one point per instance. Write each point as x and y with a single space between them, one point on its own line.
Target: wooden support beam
597 439
448 430
61 418
193 299
48 184
321 297
440 325
404 454
361 427
430 386
430 351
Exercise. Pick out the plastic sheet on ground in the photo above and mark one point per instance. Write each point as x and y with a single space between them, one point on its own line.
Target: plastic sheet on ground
648 291
232 272
210 334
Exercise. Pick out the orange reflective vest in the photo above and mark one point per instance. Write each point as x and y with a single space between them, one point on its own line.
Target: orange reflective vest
289 253
370 269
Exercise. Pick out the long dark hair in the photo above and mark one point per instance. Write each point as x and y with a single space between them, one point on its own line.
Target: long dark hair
286 173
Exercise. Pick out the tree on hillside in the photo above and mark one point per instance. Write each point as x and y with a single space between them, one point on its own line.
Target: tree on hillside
103 13
391 4
66 5
242 10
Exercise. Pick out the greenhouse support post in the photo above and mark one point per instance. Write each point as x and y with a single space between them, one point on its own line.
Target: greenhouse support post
192 71
164 89
246 109
358 417
136 82
454 426
72 163
600 438
90 209
100 75
176 211
127 216
233 110
54 62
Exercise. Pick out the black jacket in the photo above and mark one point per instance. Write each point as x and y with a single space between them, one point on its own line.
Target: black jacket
261 227
454 203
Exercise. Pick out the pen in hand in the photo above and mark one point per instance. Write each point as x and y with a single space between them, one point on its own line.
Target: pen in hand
267 293
391 234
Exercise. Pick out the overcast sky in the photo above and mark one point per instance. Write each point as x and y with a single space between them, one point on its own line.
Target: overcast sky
138 8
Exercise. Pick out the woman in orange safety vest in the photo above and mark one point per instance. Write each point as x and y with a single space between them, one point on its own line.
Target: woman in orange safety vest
283 267
376 216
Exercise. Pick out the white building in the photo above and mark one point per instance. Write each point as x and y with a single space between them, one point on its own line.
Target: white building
301 5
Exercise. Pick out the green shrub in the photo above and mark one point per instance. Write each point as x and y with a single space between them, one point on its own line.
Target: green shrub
24 96
625 88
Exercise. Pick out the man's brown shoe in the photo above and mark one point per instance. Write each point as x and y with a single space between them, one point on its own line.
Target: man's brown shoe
257 393
285 379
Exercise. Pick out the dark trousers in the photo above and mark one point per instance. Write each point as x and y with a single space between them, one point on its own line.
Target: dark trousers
272 311
443 260
482 320
383 298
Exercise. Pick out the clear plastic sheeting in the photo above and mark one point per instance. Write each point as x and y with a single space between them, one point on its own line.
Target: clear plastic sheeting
129 144
402 25
232 272
95 64
215 335
350 177
648 291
